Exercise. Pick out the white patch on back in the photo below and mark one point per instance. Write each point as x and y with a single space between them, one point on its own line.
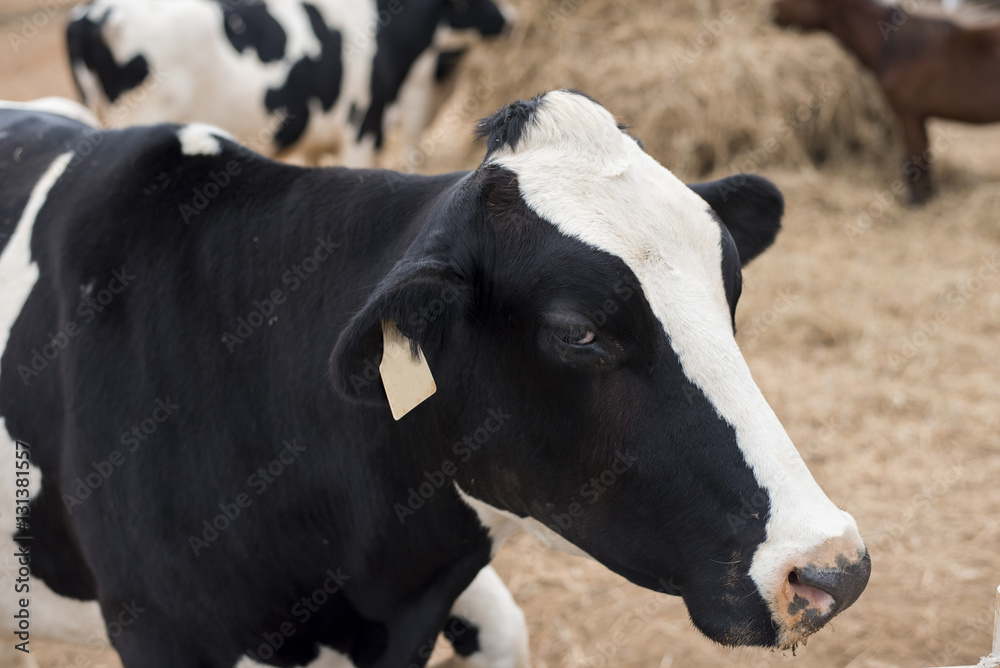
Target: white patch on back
577 170
55 105
200 139
18 271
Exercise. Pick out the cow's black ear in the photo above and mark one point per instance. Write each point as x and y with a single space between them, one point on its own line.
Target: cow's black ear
750 206
422 298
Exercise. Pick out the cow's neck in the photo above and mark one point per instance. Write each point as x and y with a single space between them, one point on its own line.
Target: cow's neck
859 27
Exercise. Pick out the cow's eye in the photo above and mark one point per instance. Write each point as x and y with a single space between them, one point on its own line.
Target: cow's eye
576 335
572 339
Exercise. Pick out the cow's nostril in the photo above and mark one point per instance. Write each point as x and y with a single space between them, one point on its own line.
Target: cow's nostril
831 590
809 596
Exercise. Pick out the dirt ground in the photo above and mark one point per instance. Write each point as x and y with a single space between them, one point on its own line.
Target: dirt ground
871 328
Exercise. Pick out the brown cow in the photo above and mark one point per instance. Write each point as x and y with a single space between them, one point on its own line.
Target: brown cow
926 66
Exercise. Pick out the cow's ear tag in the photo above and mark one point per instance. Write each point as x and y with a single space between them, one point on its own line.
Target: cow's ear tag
407 378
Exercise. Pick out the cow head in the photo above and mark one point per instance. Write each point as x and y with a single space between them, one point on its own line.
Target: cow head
583 293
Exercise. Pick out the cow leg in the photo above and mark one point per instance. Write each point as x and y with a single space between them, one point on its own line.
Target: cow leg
917 166
486 627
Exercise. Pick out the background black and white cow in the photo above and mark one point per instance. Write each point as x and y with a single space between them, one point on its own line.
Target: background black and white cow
201 391
289 78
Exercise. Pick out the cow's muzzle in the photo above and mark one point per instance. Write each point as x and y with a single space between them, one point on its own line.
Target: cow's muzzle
813 595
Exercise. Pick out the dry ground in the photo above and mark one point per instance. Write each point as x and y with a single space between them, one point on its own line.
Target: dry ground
871 328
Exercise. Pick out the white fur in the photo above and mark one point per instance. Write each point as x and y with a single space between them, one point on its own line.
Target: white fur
197 75
200 139
577 170
55 105
503 634
18 270
51 615
90 87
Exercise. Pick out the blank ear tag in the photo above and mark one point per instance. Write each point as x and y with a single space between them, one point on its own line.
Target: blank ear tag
407 379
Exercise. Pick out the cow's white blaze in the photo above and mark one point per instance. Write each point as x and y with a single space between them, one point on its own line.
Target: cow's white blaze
52 615
200 139
577 170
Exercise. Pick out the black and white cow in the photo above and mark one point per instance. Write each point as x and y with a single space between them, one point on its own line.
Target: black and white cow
201 395
290 78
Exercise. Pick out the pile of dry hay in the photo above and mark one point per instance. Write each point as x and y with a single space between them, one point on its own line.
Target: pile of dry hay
710 86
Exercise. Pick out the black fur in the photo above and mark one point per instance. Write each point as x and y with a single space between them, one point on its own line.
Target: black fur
463 636
252 26
87 47
447 64
493 296
483 16
504 128
42 136
405 31
308 80
733 197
